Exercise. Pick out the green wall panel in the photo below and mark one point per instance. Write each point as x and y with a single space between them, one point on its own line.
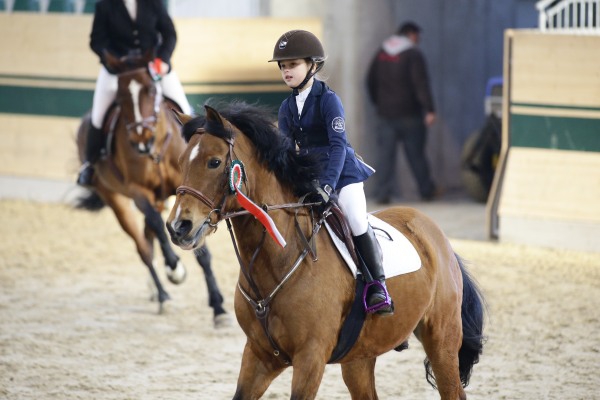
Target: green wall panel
580 134
44 101
75 103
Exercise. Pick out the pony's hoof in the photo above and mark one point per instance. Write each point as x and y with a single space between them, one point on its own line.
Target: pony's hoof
177 275
222 321
162 301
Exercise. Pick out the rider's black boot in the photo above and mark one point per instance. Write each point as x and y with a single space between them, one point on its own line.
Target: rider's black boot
378 299
93 146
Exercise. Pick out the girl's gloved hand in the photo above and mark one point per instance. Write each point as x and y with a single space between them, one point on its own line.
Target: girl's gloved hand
323 194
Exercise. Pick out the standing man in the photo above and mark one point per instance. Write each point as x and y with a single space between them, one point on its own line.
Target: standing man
398 85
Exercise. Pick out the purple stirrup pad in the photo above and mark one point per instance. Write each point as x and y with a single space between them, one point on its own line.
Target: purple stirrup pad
374 308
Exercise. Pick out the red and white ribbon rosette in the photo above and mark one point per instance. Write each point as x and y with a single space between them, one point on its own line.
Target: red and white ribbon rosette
236 177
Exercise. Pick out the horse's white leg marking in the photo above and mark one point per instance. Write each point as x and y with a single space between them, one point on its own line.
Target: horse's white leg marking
178 274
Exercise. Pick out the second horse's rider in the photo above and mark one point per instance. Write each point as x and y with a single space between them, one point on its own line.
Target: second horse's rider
125 28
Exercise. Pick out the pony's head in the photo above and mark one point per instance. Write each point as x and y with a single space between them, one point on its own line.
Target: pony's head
139 97
239 144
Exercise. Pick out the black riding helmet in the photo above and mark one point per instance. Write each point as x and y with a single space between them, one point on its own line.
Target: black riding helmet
299 44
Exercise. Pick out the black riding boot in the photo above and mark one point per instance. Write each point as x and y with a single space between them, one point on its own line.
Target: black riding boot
370 252
93 146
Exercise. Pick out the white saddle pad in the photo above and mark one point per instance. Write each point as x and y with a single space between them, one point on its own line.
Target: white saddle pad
399 255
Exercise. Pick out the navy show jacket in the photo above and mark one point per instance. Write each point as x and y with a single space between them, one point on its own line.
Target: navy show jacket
320 131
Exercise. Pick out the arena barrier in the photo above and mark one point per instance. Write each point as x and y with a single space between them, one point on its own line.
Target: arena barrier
48 73
547 187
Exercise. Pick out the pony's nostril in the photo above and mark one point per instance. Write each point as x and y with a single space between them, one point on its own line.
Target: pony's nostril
183 227
179 229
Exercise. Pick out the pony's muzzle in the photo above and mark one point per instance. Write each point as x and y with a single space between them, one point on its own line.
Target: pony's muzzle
179 230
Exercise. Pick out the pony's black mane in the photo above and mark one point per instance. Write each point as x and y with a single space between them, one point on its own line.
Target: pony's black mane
276 151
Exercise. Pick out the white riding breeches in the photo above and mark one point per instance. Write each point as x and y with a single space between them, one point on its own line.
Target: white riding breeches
352 201
172 89
106 91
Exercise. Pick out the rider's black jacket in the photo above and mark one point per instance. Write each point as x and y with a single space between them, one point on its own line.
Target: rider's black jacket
115 31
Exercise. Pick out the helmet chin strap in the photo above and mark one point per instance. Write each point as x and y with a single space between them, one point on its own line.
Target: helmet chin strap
309 75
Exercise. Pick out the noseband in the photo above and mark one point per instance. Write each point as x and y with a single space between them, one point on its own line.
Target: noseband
183 189
146 123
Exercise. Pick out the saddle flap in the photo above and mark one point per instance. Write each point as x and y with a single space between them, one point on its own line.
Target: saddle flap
336 221
110 118
399 254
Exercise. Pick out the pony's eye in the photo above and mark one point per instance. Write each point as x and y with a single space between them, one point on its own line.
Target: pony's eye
214 163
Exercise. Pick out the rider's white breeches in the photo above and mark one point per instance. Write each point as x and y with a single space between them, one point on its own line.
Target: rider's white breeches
172 89
353 203
106 91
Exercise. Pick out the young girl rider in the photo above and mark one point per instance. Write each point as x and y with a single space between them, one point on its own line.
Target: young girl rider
313 117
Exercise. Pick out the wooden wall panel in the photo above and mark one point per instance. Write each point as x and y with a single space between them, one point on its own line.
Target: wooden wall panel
208 50
552 184
547 187
51 51
555 69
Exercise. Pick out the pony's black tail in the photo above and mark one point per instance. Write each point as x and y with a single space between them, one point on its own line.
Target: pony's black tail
89 200
473 310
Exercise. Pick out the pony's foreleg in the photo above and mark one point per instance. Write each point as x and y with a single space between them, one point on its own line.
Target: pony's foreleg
121 206
175 269
215 299
308 373
359 377
255 375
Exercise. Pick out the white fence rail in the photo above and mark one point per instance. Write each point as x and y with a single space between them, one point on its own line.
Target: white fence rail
581 16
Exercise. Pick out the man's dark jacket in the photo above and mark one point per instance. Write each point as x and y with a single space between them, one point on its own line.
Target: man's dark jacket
399 85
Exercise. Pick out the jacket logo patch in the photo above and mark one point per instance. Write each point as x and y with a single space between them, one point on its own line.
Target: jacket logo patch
338 124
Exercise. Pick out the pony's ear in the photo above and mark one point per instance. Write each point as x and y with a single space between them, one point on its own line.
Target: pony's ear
181 117
213 115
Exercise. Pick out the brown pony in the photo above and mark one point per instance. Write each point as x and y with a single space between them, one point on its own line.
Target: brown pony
292 307
140 163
